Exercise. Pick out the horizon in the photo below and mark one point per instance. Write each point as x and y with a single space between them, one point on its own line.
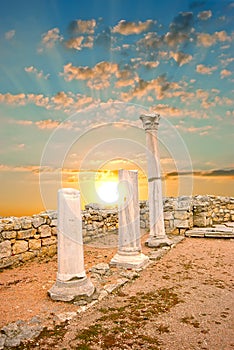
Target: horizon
75 78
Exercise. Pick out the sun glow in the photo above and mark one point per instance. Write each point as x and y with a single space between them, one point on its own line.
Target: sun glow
108 191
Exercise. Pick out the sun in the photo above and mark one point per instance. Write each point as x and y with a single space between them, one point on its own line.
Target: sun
108 191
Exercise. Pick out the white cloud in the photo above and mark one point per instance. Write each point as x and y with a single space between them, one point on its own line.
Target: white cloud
181 58
39 74
204 15
128 28
225 73
10 34
50 38
204 69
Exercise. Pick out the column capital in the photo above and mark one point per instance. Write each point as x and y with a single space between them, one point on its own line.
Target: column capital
150 121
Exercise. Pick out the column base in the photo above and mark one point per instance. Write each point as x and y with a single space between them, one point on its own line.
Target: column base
72 290
129 261
154 242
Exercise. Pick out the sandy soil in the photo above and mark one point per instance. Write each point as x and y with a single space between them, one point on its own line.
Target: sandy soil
183 301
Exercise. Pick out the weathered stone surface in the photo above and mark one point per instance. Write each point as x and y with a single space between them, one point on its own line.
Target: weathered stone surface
49 241
20 247
26 256
8 234
34 244
26 233
38 221
5 249
101 269
26 222
45 231
15 333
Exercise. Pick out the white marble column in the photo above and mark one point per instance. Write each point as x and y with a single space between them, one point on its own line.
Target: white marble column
157 236
72 282
129 253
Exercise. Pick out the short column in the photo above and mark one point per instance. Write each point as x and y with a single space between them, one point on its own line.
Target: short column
157 236
129 253
72 282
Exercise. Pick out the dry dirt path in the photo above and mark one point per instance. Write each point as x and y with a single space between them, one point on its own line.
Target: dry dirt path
183 301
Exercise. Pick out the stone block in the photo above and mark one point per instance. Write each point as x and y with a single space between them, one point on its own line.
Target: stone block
49 241
20 247
26 222
199 220
38 221
142 224
45 231
8 227
23 234
17 224
181 215
168 215
54 231
34 244
9 234
181 223
9 261
54 222
26 256
5 249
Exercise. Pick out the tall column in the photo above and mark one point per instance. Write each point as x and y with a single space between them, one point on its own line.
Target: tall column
129 247
72 282
157 236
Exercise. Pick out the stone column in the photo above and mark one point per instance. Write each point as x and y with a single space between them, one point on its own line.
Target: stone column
129 247
157 236
72 282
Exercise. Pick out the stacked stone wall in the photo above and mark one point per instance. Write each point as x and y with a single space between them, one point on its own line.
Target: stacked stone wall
23 238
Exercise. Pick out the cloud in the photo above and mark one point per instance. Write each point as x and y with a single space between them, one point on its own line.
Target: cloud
66 101
128 28
10 34
159 87
50 38
126 78
201 69
83 27
74 43
18 99
204 15
39 74
225 73
182 23
97 77
181 58
150 41
47 124
207 40
150 64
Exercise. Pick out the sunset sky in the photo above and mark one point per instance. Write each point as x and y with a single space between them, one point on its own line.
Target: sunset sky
75 77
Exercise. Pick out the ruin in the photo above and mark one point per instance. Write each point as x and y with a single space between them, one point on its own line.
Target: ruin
129 253
71 282
157 235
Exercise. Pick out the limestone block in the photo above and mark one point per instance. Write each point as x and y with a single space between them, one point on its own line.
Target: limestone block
5 249
17 224
54 231
8 227
34 244
230 206
142 224
38 221
54 222
26 256
168 215
20 247
181 215
199 220
181 223
9 261
49 241
23 234
9 234
26 222
44 230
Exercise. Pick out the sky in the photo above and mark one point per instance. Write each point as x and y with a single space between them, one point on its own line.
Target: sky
76 75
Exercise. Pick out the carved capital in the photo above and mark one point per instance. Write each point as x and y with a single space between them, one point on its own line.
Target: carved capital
150 121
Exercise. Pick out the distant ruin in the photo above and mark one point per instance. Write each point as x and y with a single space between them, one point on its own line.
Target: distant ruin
23 238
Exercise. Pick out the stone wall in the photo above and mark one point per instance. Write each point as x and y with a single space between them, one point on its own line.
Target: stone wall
26 237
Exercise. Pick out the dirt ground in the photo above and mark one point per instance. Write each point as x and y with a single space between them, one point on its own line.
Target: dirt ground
182 301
